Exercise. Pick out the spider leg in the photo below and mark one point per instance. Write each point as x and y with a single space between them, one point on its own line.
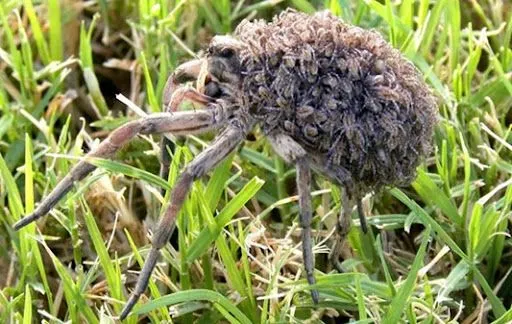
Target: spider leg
339 175
342 229
177 123
166 146
304 188
178 96
362 218
292 152
224 144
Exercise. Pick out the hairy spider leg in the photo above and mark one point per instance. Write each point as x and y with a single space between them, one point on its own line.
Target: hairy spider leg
360 211
223 144
305 216
342 229
292 152
338 175
178 123
362 218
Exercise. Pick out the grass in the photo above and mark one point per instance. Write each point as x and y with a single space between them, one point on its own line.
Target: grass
439 250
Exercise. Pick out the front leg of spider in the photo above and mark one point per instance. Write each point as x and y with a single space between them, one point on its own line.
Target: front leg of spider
224 144
177 123
292 152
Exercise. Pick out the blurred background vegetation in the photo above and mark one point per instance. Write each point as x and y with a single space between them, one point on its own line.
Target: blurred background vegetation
439 251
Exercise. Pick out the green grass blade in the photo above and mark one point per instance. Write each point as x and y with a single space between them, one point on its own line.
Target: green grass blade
74 297
192 296
360 300
217 182
130 171
27 313
456 277
384 264
453 16
31 228
207 236
154 104
234 276
113 280
427 189
401 300
87 64
56 50
505 318
15 204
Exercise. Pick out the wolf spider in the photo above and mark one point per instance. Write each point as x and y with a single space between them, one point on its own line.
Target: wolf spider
223 74
229 92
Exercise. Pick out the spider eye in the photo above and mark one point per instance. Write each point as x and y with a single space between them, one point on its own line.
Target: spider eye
227 52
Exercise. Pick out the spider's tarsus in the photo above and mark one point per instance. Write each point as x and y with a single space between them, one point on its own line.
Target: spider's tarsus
128 307
334 256
26 220
142 282
315 296
362 218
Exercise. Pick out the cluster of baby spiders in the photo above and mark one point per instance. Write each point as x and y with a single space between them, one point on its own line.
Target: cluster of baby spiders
329 97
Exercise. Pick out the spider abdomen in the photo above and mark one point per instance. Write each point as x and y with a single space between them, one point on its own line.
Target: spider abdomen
347 96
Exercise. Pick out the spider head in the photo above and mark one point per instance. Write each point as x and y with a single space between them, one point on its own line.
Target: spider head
223 59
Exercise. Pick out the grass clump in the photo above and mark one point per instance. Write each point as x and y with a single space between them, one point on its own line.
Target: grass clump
439 250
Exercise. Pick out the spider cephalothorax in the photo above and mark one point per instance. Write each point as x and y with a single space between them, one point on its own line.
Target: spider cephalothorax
328 96
223 60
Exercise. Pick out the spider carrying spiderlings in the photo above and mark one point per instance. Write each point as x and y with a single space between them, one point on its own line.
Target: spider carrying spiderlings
329 97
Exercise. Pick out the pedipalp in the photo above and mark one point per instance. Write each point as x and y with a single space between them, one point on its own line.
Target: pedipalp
174 95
